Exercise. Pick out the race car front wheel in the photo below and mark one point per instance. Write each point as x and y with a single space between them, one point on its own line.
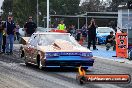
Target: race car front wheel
39 63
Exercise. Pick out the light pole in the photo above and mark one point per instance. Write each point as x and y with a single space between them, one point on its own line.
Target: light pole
128 28
44 21
0 13
47 15
37 15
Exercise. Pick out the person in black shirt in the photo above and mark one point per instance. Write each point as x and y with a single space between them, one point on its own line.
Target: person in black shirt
30 27
92 34
110 41
79 35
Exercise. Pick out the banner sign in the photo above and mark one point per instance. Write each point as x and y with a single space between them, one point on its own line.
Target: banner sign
83 78
121 45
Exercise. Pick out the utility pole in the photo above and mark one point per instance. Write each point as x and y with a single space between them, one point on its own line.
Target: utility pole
47 15
37 15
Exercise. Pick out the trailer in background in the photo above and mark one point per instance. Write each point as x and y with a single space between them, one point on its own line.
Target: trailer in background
125 24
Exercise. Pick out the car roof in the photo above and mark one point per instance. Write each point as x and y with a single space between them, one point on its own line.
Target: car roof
104 27
51 33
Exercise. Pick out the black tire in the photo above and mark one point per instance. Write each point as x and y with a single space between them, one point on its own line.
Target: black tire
79 80
27 64
82 80
39 64
22 54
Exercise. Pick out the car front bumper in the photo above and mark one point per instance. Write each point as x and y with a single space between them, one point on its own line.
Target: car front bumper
69 61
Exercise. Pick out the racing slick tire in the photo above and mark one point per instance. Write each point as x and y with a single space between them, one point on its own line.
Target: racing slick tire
22 54
39 63
80 79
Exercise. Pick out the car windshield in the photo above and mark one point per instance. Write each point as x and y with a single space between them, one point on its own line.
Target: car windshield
49 39
104 30
41 29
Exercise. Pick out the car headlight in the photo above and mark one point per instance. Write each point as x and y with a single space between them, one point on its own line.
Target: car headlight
87 54
52 54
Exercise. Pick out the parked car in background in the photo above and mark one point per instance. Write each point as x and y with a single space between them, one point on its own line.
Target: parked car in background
102 33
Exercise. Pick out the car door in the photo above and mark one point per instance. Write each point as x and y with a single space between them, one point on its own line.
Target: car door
35 50
30 49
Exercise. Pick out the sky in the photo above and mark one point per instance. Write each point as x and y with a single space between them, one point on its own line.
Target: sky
1 1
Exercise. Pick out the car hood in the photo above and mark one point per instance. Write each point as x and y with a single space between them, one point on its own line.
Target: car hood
63 46
24 40
52 48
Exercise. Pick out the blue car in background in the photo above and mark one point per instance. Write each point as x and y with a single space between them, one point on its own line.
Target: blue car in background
102 33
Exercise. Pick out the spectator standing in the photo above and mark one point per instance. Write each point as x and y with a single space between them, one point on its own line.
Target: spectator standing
4 42
1 33
92 34
72 30
79 35
9 28
84 32
17 32
30 27
61 26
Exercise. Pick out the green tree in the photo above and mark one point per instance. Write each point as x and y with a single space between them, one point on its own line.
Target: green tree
90 6
7 7
21 9
114 5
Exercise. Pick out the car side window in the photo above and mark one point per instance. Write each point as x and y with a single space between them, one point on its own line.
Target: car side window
33 40
36 39
40 42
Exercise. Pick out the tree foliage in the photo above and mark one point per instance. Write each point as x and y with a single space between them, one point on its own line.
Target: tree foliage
7 7
90 6
114 5
21 9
